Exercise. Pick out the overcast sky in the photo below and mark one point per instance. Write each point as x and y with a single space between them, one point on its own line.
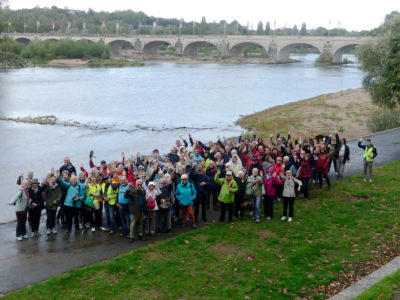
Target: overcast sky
352 14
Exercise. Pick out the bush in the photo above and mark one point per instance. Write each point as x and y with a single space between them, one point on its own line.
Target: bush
384 119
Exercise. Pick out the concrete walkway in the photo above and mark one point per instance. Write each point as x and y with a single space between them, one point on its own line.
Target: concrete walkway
34 260
368 281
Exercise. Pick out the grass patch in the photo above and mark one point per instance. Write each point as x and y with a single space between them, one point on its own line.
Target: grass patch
386 289
107 63
331 243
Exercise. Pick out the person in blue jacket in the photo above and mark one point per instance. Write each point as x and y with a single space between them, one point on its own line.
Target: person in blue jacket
185 194
201 182
73 201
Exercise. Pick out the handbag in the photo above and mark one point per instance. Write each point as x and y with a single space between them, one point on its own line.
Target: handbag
30 206
89 201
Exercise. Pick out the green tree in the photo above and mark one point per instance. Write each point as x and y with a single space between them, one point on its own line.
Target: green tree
260 28
381 62
303 30
267 30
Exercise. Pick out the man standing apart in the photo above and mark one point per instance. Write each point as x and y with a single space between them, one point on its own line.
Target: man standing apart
368 158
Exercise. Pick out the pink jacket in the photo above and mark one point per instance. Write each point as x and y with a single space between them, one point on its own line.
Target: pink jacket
270 184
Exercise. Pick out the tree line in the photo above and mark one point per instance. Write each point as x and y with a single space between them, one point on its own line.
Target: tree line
64 20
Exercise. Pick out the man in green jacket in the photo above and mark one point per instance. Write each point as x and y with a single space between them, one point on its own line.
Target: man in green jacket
227 195
368 157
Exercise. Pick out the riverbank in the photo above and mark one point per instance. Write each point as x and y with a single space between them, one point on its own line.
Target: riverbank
346 112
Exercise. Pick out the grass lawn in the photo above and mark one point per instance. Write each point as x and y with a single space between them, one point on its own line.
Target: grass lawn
387 288
335 238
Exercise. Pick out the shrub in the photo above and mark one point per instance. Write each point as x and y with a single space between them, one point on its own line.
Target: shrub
384 119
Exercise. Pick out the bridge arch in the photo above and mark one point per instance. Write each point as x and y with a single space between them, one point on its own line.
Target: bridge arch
192 48
23 40
85 40
152 48
338 54
237 49
117 45
284 52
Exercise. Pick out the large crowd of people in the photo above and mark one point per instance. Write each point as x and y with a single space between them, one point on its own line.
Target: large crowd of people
142 195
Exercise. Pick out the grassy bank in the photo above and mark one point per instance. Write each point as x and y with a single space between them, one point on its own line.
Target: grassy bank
386 289
96 63
336 238
346 112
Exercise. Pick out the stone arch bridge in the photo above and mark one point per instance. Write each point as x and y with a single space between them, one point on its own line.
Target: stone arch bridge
277 47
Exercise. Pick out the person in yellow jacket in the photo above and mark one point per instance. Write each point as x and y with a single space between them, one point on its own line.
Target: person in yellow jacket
92 202
110 193
368 157
227 194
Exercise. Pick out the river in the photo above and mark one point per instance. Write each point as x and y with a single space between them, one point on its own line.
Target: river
139 109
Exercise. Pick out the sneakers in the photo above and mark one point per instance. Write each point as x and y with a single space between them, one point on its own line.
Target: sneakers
38 233
370 180
111 232
80 226
268 218
365 179
26 236
19 238
283 218
290 219
103 228
33 235
54 231
48 232
93 229
257 220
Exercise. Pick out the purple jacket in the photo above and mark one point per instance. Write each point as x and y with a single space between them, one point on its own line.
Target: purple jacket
270 185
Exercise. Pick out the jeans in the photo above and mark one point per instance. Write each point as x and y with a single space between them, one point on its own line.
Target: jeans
304 187
150 223
288 201
256 207
136 225
71 213
51 218
34 219
124 214
269 206
164 219
225 206
340 166
367 166
197 202
21 223
110 216
320 175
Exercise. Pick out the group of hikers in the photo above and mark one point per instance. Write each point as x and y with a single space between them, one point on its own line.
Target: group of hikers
143 195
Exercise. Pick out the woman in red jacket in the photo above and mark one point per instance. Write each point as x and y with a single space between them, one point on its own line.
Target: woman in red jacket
322 166
304 172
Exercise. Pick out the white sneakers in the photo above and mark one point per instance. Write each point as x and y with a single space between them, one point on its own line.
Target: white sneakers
290 219
283 218
103 228
19 238
370 180
93 229
48 231
365 179
54 231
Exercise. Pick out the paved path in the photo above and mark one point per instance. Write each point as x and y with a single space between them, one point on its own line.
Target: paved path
24 263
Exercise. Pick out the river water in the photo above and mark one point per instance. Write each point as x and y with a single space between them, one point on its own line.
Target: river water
139 109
